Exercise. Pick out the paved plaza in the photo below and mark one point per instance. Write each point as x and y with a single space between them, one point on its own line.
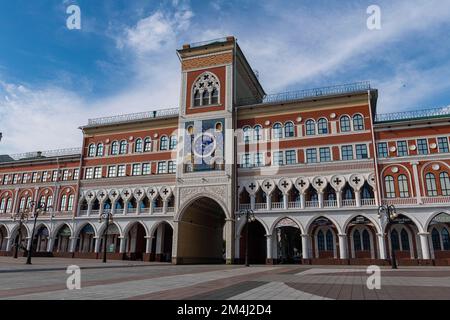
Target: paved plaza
46 279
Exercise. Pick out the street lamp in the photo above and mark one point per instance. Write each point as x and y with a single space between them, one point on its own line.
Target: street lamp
21 217
249 218
391 214
108 217
41 208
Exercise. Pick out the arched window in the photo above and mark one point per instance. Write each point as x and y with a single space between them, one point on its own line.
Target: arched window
405 240
173 142
329 237
197 99
357 240
8 205
138 146
114 148
257 133
445 239
322 126
49 201
366 240
123 147
246 134
394 240
436 239
289 130
358 122
164 143
206 90
277 131
205 98
147 145
2 205
42 201
348 193
366 192
91 150
22 204
310 128
320 241
345 124
403 186
63 202
70 203
99 150
389 186
431 185
445 183
215 96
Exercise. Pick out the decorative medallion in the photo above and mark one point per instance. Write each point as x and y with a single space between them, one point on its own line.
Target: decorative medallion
333 115
436 167
394 169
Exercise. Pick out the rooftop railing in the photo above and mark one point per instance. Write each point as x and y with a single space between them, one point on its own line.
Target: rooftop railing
204 43
411 115
309 93
46 154
172 112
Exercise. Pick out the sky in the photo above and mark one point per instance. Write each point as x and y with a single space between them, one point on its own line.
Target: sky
123 59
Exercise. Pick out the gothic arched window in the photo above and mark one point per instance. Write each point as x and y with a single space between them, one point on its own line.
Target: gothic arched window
403 186
345 124
431 185
206 90
405 240
357 240
320 241
436 239
366 240
329 239
445 183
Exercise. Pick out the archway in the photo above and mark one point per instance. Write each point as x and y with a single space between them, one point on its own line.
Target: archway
288 241
362 239
62 240
112 239
201 233
257 245
3 238
324 238
20 240
402 235
162 243
40 241
136 242
85 241
439 229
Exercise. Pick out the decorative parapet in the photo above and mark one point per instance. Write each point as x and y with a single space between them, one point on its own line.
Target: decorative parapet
165 113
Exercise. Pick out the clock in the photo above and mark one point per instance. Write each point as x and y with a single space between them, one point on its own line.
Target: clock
204 145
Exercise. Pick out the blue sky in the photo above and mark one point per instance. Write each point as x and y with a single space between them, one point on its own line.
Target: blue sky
123 59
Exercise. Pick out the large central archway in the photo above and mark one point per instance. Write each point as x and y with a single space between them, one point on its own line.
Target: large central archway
201 236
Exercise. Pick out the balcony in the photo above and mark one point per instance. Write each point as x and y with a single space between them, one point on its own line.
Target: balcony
441 200
277 205
170 209
330 204
83 213
436 200
158 210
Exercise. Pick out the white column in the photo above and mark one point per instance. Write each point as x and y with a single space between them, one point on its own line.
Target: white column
424 243
269 247
148 244
343 252
73 243
165 203
229 236
97 244
29 243
302 201
113 207
160 239
339 198
305 246
89 208
416 181
252 201
125 207
358 198
285 201
320 195
381 245
50 244
138 207
123 242
9 242
269 201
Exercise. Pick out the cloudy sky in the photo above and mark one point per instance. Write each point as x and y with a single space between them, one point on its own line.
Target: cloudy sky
123 60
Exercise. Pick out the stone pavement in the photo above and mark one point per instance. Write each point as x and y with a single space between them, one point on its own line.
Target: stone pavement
46 279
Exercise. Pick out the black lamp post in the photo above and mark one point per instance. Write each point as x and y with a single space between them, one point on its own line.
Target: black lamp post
21 217
249 218
40 209
391 214
108 217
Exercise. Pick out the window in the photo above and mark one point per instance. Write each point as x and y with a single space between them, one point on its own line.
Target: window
205 98
322 126
422 146
97 172
164 143
311 156
2 205
9 205
25 178
123 148
310 128
431 185
246 162
55 175
357 240
206 90
112 171
383 150
445 239
402 149
366 240
136 169
34 177
277 159
436 239
162 167
445 183
22 204
257 133
173 142
99 150
277 131
138 148
325 154
121 170
289 130
405 240
172 167
361 151
63 202
65 176
15 178
44 176
70 203
91 150
258 162
394 240
443 145
345 124
215 96
114 148
246 132
358 122
291 156
329 238
146 169
197 99
347 152
403 186
147 145
320 241
389 186
76 174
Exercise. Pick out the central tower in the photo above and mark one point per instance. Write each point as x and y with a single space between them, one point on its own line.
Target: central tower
214 76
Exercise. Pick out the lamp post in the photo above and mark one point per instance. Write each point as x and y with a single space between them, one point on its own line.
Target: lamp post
249 218
41 208
22 217
108 217
391 214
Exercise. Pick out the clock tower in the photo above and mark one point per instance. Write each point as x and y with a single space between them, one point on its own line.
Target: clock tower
214 76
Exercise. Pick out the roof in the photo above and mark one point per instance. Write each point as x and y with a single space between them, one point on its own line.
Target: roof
434 113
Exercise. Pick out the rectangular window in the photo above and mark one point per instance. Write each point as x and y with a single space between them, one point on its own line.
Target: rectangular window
278 158
347 152
15 178
325 154
246 161
136 170
76 174
5 179
361 151
146 169
162 167
121 170
44 176
112 171
172 167
55 176
258 159
443 145
98 172
422 146
291 157
25 178
402 149
383 150
34 177
65 175
311 156
89 173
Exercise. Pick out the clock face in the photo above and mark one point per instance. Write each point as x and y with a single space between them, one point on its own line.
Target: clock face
204 145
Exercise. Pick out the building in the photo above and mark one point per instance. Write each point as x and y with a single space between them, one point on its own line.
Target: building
313 165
